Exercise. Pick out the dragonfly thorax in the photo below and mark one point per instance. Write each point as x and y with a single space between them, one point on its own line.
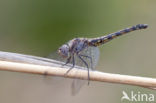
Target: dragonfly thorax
74 46
77 45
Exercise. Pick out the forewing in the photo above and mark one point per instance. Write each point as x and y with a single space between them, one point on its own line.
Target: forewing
92 52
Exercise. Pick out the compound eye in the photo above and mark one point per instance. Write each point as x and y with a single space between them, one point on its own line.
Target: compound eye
59 50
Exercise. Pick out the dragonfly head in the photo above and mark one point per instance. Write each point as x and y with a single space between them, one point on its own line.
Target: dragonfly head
64 51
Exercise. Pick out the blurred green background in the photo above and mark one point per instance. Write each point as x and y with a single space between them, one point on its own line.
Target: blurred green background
39 27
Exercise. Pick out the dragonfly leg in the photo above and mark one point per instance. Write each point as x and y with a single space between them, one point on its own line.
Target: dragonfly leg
73 61
68 60
91 61
86 65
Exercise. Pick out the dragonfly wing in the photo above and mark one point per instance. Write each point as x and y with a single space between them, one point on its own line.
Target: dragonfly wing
76 86
92 52
15 57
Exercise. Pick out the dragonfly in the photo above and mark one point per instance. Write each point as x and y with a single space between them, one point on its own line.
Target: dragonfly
86 49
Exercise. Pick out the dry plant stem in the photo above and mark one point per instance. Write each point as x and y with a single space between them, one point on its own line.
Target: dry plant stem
80 74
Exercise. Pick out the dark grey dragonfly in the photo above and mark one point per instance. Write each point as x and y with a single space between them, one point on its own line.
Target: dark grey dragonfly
85 50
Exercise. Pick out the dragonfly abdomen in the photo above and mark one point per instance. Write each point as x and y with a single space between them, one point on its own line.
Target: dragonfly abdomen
104 39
